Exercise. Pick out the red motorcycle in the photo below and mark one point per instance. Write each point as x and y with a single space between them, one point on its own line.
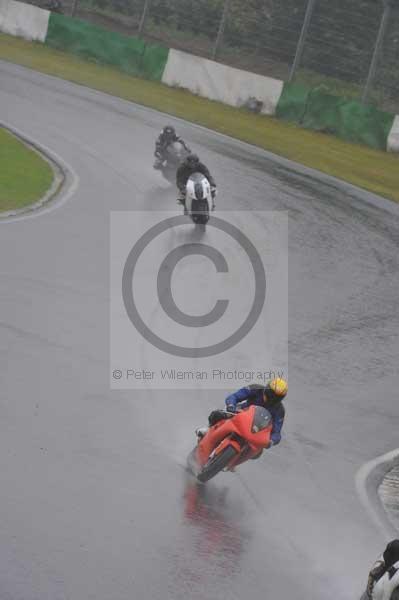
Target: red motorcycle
236 438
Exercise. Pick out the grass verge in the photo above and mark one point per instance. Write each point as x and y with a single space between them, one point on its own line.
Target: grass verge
24 175
367 168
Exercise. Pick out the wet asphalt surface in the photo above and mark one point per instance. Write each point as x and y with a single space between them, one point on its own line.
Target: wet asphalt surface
95 501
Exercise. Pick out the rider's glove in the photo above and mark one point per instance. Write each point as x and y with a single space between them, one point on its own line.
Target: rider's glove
230 408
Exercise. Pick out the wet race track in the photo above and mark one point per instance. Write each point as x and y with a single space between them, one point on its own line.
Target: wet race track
95 501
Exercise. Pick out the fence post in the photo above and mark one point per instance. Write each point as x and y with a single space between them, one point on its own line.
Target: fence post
144 16
74 7
302 38
377 50
222 26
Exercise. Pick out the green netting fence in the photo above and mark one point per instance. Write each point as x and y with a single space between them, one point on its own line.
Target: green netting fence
129 54
348 119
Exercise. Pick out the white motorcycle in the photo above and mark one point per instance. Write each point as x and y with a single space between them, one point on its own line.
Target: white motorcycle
199 199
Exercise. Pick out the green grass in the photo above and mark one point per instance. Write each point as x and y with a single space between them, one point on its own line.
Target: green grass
24 175
362 166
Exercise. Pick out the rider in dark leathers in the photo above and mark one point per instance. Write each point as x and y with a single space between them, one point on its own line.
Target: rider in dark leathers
167 136
191 165
383 581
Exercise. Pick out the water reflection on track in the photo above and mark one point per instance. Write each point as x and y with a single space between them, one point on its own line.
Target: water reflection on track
221 538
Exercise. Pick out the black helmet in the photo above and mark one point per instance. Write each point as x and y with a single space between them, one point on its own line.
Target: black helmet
391 553
192 160
169 131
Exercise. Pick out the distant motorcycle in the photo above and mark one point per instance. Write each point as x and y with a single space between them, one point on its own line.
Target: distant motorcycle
233 440
199 201
176 153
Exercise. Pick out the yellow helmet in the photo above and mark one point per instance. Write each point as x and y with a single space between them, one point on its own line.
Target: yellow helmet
276 389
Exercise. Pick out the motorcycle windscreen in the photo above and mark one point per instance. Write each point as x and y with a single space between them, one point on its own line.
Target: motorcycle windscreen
262 419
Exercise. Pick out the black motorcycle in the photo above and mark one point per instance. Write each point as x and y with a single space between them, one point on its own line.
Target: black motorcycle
176 153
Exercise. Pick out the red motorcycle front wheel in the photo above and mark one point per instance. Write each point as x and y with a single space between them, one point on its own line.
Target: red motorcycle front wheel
217 464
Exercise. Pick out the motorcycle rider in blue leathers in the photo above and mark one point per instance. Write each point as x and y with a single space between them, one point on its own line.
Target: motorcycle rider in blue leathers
269 397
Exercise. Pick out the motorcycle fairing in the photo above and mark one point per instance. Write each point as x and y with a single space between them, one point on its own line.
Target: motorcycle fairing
238 432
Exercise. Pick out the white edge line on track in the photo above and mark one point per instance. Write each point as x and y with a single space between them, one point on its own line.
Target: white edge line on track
67 190
375 508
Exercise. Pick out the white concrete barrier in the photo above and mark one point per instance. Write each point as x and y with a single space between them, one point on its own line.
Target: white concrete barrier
219 82
23 20
3 13
393 138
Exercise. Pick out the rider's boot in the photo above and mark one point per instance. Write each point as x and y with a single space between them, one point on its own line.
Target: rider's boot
181 199
158 163
213 199
201 432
